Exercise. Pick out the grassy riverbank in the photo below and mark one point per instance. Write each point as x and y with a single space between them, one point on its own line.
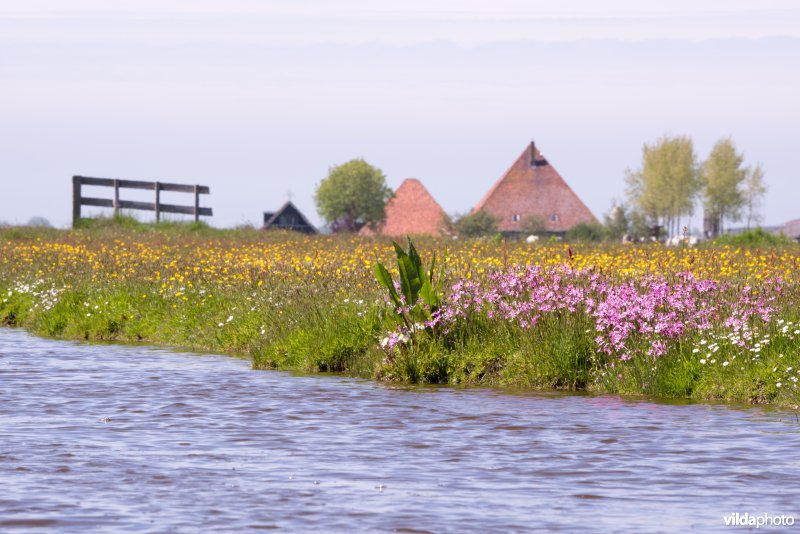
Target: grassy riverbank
713 323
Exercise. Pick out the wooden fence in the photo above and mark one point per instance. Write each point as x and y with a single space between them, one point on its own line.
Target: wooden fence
78 200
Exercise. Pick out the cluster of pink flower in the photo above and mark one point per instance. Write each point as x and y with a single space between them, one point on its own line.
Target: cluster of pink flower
630 316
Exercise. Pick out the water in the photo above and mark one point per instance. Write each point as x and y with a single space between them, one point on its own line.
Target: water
116 438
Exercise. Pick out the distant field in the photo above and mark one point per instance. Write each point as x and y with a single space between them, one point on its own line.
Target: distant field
717 322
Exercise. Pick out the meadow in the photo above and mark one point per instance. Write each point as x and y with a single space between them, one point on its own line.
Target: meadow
718 322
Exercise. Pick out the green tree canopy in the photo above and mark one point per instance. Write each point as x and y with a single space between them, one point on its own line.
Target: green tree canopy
616 222
353 195
586 232
477 224
722 178
666 186
754 190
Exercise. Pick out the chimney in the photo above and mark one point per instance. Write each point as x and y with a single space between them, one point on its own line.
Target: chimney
533 154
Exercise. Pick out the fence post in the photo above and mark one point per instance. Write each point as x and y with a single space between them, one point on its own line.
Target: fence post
116 197
196 203
76 199
158 201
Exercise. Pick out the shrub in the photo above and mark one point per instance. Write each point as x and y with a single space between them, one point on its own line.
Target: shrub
477 224
757 237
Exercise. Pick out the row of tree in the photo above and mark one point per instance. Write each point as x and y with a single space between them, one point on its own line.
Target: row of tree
661 194
671 181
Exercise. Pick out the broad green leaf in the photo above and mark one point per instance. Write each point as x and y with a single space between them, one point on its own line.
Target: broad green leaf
385 279
410 281
412 253
410 278
429 296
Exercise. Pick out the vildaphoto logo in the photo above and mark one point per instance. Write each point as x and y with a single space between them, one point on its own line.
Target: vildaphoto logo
764 520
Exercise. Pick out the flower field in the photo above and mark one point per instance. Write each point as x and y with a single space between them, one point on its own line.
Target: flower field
709 323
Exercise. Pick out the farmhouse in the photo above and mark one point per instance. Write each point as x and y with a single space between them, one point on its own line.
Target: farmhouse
792 229
532 188
288 217
412 211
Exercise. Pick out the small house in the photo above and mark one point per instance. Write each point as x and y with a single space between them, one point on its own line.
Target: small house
288 217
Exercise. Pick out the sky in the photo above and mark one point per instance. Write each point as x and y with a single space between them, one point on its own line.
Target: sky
257 99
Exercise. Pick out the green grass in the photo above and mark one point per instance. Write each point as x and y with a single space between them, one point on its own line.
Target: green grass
756 237
335 324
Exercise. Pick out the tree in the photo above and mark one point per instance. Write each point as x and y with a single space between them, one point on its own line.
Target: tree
586 232
39 222
616 222
754 190
722 177
477 224
666 186
353 195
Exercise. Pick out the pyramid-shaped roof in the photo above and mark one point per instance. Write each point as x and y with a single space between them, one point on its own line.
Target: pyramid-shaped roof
792 229
411 211
533 187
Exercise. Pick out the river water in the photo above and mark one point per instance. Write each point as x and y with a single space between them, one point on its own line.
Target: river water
118 438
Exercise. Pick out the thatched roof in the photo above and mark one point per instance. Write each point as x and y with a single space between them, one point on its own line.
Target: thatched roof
533 187
412 211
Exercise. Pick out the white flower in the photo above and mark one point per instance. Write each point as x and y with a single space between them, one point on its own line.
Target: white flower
695 350
221 325
384 342
703 361
713 361
779 384
230 318
724 364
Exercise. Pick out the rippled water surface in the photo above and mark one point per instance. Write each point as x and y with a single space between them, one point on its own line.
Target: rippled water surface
117 438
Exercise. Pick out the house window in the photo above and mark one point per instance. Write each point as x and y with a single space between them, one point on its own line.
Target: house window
554 217
516 217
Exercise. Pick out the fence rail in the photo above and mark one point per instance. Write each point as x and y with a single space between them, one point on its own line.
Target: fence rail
79 200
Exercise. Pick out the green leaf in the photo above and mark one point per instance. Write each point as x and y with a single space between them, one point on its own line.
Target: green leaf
412 253
385 279
429 296
410 281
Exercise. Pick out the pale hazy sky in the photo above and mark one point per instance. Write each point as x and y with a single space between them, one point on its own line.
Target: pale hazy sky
259 98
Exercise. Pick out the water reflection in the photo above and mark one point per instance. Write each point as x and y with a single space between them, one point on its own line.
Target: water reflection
125 438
